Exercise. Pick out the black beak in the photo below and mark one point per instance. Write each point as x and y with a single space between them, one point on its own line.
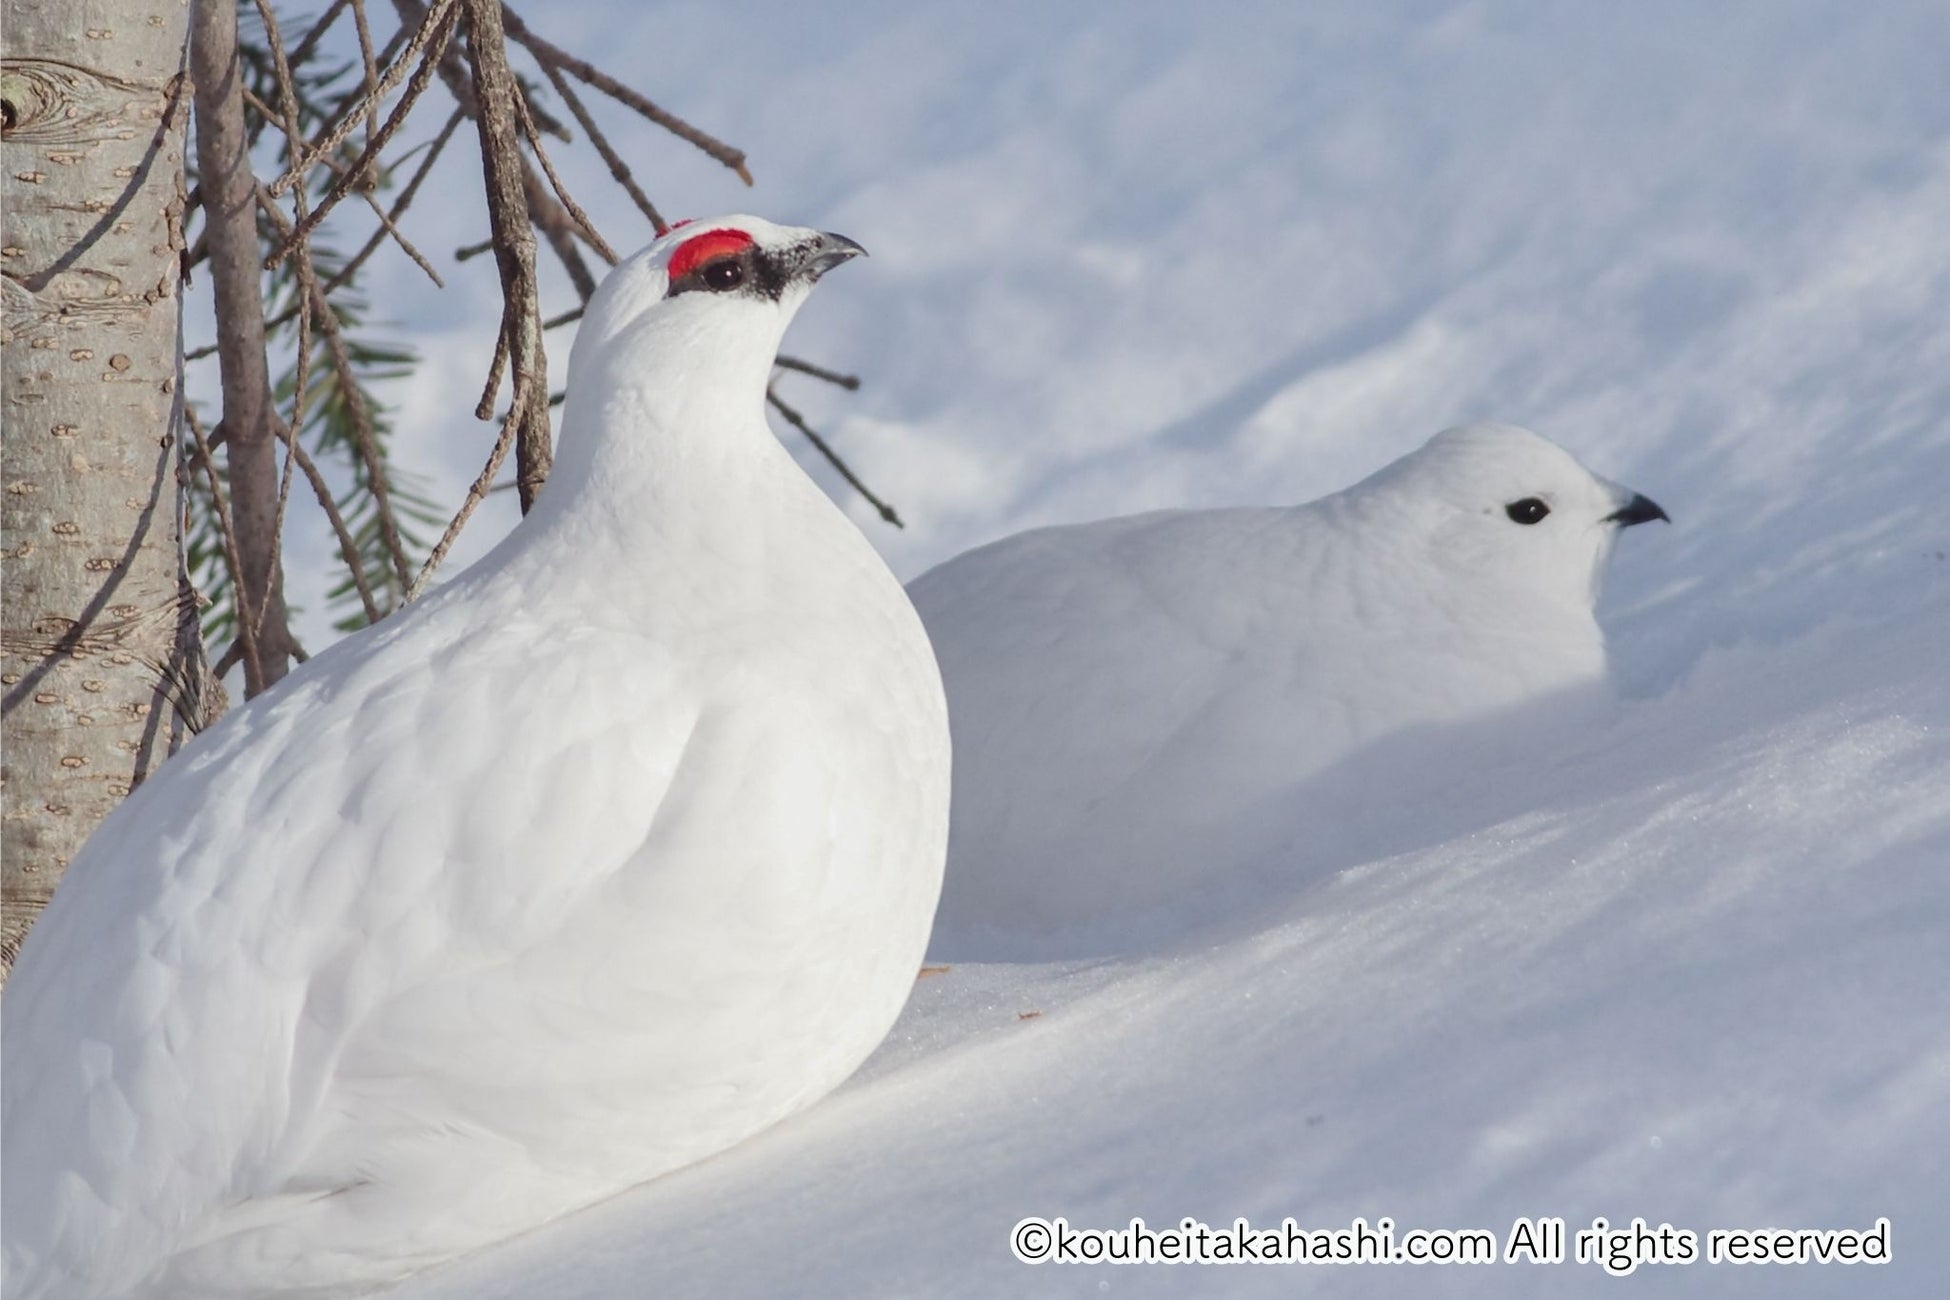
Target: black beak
828 252
1641 509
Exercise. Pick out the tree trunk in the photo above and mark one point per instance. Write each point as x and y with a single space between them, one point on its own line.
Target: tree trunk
102 668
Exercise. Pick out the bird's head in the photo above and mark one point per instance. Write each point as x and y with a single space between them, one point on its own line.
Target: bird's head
1502 505
722 289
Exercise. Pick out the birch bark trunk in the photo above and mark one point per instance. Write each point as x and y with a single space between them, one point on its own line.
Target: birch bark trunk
99 655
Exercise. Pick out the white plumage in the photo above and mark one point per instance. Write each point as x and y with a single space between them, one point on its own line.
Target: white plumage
608 854
1131 698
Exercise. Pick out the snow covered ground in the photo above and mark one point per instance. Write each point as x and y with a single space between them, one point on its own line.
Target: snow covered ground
1694 966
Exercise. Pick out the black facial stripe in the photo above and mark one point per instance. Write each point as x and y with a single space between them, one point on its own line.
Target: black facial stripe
767 275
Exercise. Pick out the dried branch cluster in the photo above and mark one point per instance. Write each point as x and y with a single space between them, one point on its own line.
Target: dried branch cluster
336 131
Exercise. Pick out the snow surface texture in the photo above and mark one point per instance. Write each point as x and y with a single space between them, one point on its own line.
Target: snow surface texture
1691 966
1144 706
600 859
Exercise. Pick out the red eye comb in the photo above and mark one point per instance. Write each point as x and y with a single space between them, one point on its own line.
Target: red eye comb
699 249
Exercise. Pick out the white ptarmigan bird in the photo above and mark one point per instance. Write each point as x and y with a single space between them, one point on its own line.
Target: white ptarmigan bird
1128 695
615 850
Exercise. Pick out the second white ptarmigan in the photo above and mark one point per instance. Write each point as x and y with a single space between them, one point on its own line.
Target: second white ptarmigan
615 850
1129 697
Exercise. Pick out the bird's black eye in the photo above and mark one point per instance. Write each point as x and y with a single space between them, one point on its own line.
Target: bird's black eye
725 273
1527 511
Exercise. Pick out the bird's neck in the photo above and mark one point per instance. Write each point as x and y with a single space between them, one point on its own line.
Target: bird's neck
670 489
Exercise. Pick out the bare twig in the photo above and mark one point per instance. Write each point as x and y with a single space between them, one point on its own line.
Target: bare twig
851 383
476 493
389 222
309 41
348 547
388 227
560 229
798 422
439 19
246 630
268 114
412 13
358 103
484 408
548 216
584 226
355 402
548 122
567 317
288 98
370 181
281 68
371 68
548 54
228 660
264 111
514 244
369 158
204 459
362 175
617 168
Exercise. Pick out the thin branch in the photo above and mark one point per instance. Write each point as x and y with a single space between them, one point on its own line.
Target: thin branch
309 41
412 12
560 229
555 322
228 660
514 243
617 168
851 383
287 87
285 433
371 67
348 547
484 409
547 215
388 227
369 158
550 124
406 195
284 500
288 97
355 402
264 111
585 227
358 102
439 19
371 179
363 175
798 422
476 493
548 54
246 631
